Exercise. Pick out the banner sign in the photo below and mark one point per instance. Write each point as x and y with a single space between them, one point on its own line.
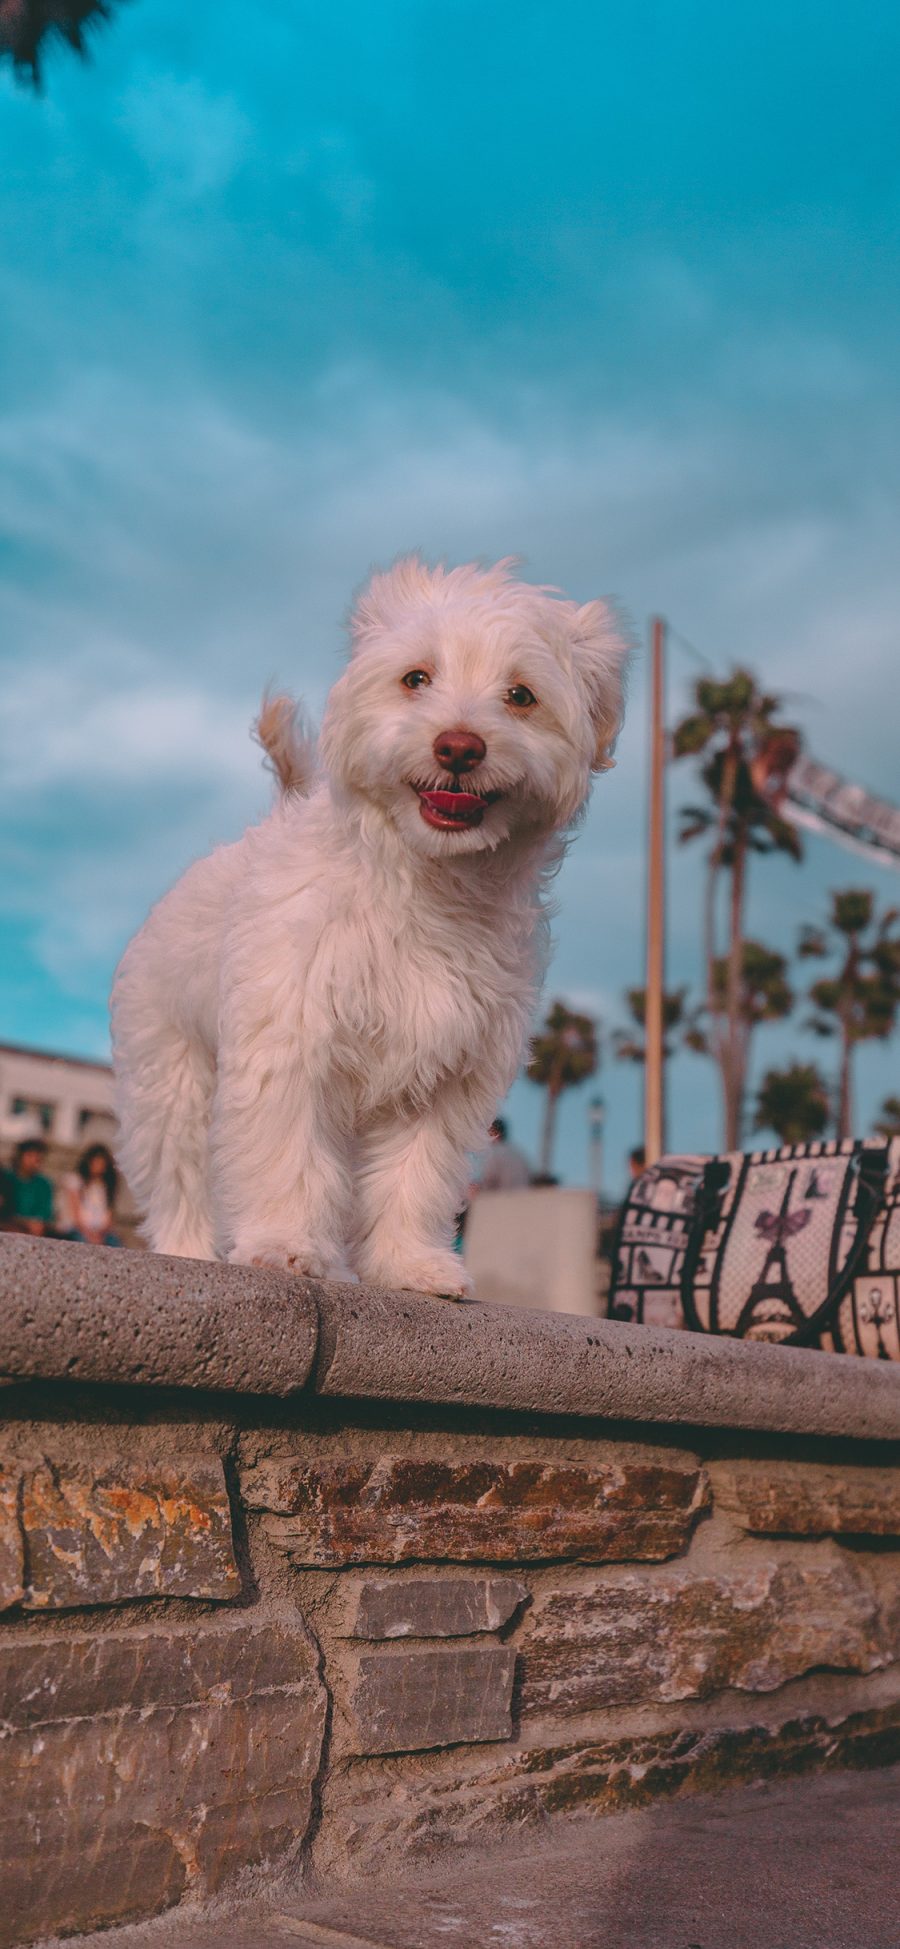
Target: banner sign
823 802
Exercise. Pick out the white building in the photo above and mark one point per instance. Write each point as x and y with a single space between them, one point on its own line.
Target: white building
67 1099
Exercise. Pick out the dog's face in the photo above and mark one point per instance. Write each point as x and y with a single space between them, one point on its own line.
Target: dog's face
474 708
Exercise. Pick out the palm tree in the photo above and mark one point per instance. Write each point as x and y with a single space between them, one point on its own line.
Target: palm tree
747 754
563 1053
27 26
630 1044
681 1027
887 1122
794 1103
764 995
859 1002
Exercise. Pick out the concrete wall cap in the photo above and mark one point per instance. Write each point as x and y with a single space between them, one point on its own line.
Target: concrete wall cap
403 1347
77 1312
92 1313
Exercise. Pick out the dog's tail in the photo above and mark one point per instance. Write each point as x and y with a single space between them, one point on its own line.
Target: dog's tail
288 742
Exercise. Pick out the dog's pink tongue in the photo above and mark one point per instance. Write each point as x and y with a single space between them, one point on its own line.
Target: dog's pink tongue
452 808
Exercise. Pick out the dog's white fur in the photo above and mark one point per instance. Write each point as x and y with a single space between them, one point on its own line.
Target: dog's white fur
313 1029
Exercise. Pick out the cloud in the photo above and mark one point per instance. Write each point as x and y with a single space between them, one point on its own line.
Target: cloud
598 1002
189 139
88 727
187 543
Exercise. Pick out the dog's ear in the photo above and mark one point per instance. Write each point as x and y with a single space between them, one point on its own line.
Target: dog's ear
389 591
601 649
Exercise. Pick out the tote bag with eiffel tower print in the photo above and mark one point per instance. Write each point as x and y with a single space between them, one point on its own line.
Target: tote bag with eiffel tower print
799 1245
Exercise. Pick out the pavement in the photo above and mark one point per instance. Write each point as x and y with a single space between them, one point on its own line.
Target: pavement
810 1864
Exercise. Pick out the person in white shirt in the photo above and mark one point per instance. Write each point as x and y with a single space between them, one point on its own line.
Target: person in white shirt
88 1197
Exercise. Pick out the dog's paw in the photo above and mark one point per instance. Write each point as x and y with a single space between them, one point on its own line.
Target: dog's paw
441 1273
303 1261
184 1245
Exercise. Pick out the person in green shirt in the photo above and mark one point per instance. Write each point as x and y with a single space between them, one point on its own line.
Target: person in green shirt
30 1192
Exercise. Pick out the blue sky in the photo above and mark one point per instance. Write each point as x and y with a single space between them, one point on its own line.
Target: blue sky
614 290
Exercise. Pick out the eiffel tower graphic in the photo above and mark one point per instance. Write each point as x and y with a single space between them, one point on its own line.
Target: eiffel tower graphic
773 1301
876 1311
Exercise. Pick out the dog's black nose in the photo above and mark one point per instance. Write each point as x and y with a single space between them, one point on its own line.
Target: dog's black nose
459 750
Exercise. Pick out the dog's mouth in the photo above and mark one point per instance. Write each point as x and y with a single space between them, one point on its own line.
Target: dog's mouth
452 809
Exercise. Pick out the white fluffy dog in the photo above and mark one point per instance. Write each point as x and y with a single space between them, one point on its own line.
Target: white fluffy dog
314 1028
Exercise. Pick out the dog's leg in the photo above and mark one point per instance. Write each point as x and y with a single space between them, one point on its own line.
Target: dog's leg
411 1181
279 1166
162 1096
164 1084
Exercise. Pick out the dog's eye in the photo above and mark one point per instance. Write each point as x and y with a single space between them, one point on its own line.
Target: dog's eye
520 697
416 679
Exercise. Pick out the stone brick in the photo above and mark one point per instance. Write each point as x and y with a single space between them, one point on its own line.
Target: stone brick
407 1701
12 1556
375 1822
438 1607
144 1766
809 1498
127 1530
402 1509
634 1639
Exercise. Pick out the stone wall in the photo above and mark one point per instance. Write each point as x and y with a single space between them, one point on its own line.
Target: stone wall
265 1625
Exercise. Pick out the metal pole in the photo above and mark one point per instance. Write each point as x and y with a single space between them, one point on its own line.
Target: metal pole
654 1116
596 1120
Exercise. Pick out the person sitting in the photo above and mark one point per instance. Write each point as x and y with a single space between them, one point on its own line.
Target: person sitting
29 1194
505 1167
502 1167
88 1198
7 1194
